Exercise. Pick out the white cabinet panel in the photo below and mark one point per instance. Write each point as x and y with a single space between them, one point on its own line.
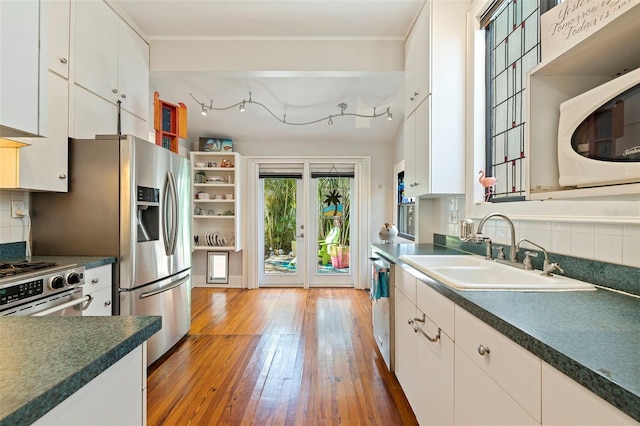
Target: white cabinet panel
406 347
406 284
435 377
515 369
92 115
565 402
133 71
437 307
96 48
479 400
44 164
20 68
417 58
116 397
98 284
58 36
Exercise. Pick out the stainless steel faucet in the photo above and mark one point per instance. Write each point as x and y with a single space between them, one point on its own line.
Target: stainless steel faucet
547 268
513 250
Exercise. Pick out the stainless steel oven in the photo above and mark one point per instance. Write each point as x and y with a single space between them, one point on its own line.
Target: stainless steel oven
41 289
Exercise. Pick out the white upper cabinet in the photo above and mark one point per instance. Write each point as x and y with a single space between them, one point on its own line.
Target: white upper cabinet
58 36
416 65
435 60
44 164
111 60
21 71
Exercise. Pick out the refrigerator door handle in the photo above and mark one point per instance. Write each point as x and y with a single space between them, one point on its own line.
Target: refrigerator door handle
166 238
168 287
175 220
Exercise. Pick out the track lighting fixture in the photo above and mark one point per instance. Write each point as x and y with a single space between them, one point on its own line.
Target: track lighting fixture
329 119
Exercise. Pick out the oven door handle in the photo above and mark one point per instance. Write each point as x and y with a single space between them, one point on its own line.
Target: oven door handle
64 306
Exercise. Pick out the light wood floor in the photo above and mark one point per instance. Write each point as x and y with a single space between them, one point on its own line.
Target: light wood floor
276 357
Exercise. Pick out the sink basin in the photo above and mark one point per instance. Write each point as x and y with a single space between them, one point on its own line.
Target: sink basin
445 261
476 273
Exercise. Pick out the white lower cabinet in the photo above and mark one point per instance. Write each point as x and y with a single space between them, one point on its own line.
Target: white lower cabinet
565 402
434 375
406 347
98 284
514 369
474 375
424 367
116 397
479 400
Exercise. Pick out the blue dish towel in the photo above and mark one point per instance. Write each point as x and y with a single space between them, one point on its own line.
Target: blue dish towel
380 285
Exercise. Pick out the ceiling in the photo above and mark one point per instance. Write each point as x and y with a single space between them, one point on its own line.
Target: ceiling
302 96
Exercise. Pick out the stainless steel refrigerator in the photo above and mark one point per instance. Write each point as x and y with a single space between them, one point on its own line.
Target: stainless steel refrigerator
130 199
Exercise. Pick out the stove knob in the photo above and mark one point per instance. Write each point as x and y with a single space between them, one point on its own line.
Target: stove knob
56 282
73 278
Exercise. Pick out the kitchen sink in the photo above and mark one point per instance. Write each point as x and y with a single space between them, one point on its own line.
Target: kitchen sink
446 261
475 273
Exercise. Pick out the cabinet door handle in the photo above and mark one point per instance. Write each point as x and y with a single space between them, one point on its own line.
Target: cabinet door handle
482 350
95 280
123 96
114 90
63 60
62 176
417 328
107 303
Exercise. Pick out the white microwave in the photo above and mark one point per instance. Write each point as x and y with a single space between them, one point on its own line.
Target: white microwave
599 135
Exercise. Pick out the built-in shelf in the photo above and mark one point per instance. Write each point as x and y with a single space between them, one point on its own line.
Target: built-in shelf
208 214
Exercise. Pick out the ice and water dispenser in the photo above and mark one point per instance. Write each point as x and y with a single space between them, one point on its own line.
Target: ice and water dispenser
148 211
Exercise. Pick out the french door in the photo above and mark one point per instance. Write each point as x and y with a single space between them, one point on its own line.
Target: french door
307 224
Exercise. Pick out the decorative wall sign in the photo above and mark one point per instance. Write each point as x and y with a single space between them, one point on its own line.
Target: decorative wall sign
572 21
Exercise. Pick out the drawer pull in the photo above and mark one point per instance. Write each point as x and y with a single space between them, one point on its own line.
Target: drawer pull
417 328
482 350
422 320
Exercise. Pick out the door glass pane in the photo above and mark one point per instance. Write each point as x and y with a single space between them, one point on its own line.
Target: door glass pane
334 230
280 225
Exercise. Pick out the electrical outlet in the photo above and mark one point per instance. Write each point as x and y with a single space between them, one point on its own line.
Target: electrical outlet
15 206
453 216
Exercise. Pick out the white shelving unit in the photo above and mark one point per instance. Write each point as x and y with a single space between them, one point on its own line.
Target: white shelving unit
216 206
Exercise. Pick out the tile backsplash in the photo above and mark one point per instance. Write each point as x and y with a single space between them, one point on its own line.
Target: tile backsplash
13 229
613 243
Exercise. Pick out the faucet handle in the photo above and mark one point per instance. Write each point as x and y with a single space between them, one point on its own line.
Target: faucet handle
528 265
501 255
551 267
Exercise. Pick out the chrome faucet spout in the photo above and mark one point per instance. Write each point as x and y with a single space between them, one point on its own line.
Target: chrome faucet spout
513 250
547 268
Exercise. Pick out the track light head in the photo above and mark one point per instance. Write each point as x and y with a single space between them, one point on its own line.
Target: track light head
242 108
389 115
204 111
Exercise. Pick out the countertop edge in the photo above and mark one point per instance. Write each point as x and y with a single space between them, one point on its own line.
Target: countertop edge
45 402
607 389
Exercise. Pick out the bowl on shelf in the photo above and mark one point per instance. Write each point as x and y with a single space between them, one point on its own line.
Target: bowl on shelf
200 164
228 196
202 195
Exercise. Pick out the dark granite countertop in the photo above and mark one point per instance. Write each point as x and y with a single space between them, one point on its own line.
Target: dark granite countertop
55 356
86 261
592 337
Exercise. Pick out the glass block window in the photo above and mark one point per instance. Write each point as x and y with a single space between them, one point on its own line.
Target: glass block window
513 48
